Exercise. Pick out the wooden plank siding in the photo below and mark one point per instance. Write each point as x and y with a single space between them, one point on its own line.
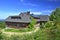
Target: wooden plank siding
16 25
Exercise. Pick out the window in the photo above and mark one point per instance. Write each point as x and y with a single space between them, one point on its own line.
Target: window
16 17
37 18
14 24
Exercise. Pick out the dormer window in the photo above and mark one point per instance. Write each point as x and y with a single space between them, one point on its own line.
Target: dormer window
36 17
17 17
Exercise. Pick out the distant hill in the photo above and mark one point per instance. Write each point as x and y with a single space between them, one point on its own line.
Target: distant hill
2 20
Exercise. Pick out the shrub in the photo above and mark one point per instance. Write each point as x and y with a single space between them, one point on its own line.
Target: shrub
32 23
42 25
51 30
2 24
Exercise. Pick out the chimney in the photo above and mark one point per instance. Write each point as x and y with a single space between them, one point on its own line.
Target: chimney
28 12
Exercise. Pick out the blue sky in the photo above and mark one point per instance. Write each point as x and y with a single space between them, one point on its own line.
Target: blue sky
14 7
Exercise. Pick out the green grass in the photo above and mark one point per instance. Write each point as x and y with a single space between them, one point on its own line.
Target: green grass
39 35
18 30
2 25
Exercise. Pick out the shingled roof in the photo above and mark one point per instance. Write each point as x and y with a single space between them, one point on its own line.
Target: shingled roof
22 17
25 18
41 17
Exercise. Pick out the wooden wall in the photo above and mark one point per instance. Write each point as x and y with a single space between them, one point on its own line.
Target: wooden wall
16 25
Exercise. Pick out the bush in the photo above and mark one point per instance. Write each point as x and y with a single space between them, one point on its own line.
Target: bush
51 30
42 25
49 24
2 25
32 23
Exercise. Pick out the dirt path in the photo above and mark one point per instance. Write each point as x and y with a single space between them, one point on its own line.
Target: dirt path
12 33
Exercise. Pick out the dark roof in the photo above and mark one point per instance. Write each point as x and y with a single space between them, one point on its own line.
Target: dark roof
25 18
44 17
41 17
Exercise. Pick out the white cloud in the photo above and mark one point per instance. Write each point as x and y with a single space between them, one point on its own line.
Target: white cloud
5 15
43 12
36 13
48 11
13 13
